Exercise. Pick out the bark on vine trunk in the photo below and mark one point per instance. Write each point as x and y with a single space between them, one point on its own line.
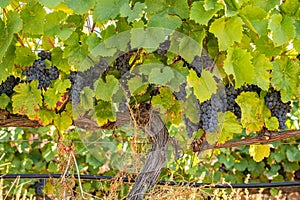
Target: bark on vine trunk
156 158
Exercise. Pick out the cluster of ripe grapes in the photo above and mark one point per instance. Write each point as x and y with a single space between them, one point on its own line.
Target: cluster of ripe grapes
39 71
8 85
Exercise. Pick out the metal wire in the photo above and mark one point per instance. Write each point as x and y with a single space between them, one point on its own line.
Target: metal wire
168 183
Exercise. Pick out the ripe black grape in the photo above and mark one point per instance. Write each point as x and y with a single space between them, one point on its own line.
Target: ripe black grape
44 55
164 47
8 85
181 94
39 71
79 80
209 115
190 126
122 62
277 107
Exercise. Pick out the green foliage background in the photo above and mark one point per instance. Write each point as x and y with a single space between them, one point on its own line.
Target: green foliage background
251 41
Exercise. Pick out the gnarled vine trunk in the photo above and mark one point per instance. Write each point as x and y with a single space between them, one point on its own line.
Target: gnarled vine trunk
156 157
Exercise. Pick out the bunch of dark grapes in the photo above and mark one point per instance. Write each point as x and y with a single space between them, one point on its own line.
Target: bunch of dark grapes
164 47
195 65
8 85
39 71
122 62
277 107
190 126
79 80
44 55
181 94
209 115
231 95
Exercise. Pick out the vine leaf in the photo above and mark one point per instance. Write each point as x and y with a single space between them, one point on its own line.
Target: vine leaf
272 124
105 90
172 7
53 95
282 29
33 17
104 112
106 10
24 56
87 98
133 14
161 76
50 3
293 154
14 24
185 46
79 6
27 100
228 127
165 20
62 121
285 77
238 63
262 74
4 100
259 152
45 117
204 86
228 31
254 111
200 14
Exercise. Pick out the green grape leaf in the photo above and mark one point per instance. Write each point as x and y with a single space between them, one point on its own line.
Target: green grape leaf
293 154
87 98
14 24
50 3
105 90
92 41
24 56
136 85
227 30
190 110
228 127
45 117
285 77
133 13
161 76
52 24
282 29
33 17
255 18
62 121
79 6
189 48
254 110
238 63
204 86
173 7
4 100
200 15
272 124
4 3
173 114
165 20
164 100
76 54
27 100
104 112
290 7
267 5
106 10
296 44
266 46
58 60
259 152
241 165
262 68
53 95
149 38
210 4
